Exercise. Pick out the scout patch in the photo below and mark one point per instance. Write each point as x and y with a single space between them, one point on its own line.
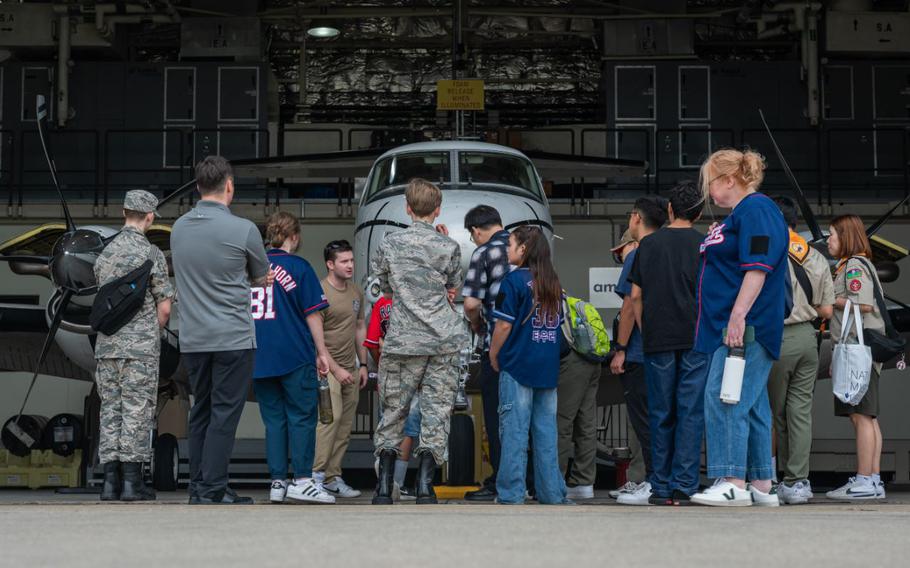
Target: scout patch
799 248
855 285
854 273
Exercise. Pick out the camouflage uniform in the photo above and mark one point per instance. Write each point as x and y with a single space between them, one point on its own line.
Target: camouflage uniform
425 336
127 362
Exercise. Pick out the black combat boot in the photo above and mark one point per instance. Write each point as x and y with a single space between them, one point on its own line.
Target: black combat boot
110 491
134 488
386 478
426 470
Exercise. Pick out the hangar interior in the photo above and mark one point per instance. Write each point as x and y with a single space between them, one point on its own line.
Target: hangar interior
140 91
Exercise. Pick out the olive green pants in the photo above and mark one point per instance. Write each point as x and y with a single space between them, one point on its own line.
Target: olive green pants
790 389
576 418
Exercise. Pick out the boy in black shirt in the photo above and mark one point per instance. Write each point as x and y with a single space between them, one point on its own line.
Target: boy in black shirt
664 278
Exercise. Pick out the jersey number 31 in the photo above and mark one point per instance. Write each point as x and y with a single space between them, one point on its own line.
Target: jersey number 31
262 303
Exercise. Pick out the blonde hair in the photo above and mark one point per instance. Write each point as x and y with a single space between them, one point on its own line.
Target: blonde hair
747 168
280 227
423 197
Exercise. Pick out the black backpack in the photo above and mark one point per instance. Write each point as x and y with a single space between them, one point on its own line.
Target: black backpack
118 301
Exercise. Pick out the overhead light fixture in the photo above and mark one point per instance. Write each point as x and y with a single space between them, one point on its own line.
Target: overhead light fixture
322 31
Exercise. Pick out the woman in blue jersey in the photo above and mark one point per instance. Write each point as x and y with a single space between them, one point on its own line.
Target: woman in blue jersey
290 349
524 349
742 293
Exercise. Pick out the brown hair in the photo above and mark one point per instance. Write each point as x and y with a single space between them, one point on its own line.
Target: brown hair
747 168
852 236
546 287
423 197
280 227
212 174
131 215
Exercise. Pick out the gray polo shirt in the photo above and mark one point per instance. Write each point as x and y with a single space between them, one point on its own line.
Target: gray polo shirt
215 256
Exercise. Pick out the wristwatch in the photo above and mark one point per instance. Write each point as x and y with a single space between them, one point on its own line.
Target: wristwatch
619 347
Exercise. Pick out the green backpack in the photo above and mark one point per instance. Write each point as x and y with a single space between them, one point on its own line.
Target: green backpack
585 330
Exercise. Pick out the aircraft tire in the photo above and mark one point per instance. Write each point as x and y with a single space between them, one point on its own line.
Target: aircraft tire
167 458
461 450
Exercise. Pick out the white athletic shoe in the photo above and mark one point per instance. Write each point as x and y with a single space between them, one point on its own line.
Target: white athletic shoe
580 492
761 499
723 494
628 487
309 491
796 494
879 489
339 488
638 497
854 490
278 490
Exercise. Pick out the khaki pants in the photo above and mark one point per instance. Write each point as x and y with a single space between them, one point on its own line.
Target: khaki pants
790 389
332 439
576 418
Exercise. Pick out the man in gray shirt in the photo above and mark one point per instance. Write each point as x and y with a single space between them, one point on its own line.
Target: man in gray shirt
217 257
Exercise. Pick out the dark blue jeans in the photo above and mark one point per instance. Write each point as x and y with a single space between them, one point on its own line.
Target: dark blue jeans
289 406
676 400
489 393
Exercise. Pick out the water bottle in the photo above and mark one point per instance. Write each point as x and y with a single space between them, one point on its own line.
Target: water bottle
734 367
325 401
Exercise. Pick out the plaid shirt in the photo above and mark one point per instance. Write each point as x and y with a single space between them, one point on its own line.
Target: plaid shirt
489 264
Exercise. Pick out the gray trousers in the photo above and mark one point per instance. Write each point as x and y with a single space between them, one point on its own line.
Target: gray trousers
576 418
790 389
220 382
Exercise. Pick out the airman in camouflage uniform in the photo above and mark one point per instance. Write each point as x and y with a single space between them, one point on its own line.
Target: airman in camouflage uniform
127 361
419 267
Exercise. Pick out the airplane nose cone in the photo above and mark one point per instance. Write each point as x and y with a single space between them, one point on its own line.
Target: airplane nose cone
73 260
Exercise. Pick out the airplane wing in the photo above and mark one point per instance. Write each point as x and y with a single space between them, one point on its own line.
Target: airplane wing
38 241
22 332
357 163
567 165
344 164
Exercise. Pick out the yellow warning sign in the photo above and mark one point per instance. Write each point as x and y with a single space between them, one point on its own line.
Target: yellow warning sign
464 94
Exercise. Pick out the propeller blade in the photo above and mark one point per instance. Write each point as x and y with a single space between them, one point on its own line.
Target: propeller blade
179 192
874 227
25 258
806 210
41 105
52 331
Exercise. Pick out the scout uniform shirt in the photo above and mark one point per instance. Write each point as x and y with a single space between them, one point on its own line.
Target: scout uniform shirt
853 281
417 265
818 273
140 338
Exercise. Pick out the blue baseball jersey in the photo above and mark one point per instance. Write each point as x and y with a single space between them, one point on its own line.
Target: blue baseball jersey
283 340
530 353
753 237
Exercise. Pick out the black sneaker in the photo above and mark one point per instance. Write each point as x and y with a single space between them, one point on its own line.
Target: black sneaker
482 494
679 498
658 500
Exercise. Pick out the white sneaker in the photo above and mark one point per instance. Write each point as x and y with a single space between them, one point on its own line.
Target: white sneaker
339 488
628 487
723 494
278 490
309 491
879 489
854 490
762 499
638 497
580 492
796 494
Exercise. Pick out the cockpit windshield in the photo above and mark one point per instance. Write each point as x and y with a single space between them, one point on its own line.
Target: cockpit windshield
497 169
398 170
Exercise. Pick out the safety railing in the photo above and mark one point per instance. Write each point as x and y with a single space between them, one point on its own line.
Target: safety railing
831 164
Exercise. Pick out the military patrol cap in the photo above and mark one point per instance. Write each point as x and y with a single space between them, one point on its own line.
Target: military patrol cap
141 201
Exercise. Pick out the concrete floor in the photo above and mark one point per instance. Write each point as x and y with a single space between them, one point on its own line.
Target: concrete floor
40 528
